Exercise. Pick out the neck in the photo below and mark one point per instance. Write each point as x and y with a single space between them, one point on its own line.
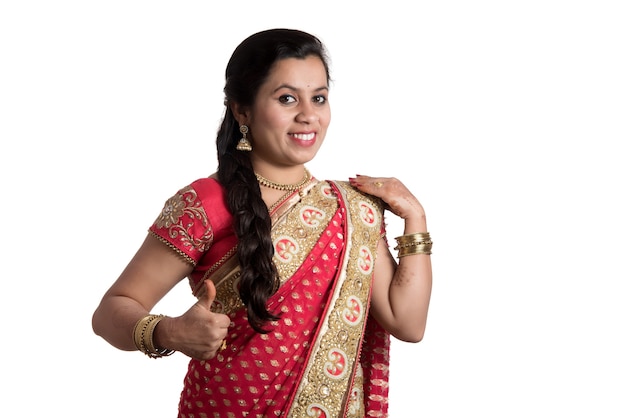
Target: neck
284 186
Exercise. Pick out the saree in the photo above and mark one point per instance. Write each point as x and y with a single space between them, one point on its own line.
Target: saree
325 356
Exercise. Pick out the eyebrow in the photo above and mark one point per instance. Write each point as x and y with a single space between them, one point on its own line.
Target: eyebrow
290 87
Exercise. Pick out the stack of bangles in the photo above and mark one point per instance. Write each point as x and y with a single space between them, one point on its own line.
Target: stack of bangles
411 244
142 336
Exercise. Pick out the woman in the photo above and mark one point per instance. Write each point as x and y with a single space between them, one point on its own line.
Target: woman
297 289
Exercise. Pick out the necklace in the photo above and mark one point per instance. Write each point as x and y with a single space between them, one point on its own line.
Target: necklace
284 187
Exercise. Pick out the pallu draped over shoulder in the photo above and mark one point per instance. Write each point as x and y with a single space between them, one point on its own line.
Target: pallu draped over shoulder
325 356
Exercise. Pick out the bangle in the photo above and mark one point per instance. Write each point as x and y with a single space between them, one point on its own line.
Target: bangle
415 249
411 244
142 336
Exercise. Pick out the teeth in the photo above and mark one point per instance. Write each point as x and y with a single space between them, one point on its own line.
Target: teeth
304 137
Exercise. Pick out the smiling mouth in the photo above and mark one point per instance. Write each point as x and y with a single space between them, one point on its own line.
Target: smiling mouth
304 137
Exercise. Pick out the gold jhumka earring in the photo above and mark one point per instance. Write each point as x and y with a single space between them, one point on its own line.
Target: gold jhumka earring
244 144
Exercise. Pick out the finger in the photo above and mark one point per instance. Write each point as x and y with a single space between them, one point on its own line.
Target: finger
368 184
369 180
206 300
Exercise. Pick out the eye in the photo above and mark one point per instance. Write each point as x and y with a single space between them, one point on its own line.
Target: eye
286 99
320 99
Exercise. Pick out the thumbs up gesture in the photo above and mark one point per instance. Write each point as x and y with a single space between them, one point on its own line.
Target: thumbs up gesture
198 333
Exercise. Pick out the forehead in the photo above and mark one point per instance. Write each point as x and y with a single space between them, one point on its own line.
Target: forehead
298 72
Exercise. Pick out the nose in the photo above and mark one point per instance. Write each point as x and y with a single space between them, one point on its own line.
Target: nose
307 112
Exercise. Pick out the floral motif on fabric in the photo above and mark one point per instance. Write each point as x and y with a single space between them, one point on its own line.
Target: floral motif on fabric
184 223
336 366
365 262
285 248
368 214
311 216
327 191
353 313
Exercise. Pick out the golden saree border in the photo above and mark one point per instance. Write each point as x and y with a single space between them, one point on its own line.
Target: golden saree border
334 355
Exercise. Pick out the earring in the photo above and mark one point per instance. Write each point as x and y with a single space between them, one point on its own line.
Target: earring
244 144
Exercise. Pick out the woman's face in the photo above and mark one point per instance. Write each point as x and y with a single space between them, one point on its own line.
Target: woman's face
291 113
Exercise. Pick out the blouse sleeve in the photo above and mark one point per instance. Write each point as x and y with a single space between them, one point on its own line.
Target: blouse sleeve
183 225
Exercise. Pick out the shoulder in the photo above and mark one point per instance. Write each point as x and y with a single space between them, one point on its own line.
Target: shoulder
192 201
211 195
201 193
207 187
206 191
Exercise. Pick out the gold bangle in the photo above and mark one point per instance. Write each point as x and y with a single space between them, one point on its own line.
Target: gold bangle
411 244
415 249
139 331
413 238
142 336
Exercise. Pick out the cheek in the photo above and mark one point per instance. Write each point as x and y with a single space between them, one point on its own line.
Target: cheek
263 125
325 117
276 122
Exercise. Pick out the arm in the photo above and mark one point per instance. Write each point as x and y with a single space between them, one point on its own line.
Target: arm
401 292
151 274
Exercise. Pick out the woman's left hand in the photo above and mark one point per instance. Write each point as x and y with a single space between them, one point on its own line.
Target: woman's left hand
393 192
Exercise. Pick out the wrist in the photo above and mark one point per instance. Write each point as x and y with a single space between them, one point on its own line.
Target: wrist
160 334
415 224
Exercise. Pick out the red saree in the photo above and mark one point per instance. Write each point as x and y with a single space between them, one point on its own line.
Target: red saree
325 356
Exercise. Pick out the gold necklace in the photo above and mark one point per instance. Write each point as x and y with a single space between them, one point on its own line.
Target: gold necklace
284 187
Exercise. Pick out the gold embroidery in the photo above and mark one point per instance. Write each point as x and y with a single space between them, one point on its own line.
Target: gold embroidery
172 211
185 202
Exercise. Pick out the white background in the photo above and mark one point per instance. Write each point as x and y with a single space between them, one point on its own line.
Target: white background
505 118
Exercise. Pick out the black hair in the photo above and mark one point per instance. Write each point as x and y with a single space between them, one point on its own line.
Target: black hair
247 69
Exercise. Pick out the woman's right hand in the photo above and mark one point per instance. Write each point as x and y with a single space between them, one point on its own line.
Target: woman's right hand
199 332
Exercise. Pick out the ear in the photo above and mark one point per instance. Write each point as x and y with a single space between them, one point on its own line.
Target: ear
241 113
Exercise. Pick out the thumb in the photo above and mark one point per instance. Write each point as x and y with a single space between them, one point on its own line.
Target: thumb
209 296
